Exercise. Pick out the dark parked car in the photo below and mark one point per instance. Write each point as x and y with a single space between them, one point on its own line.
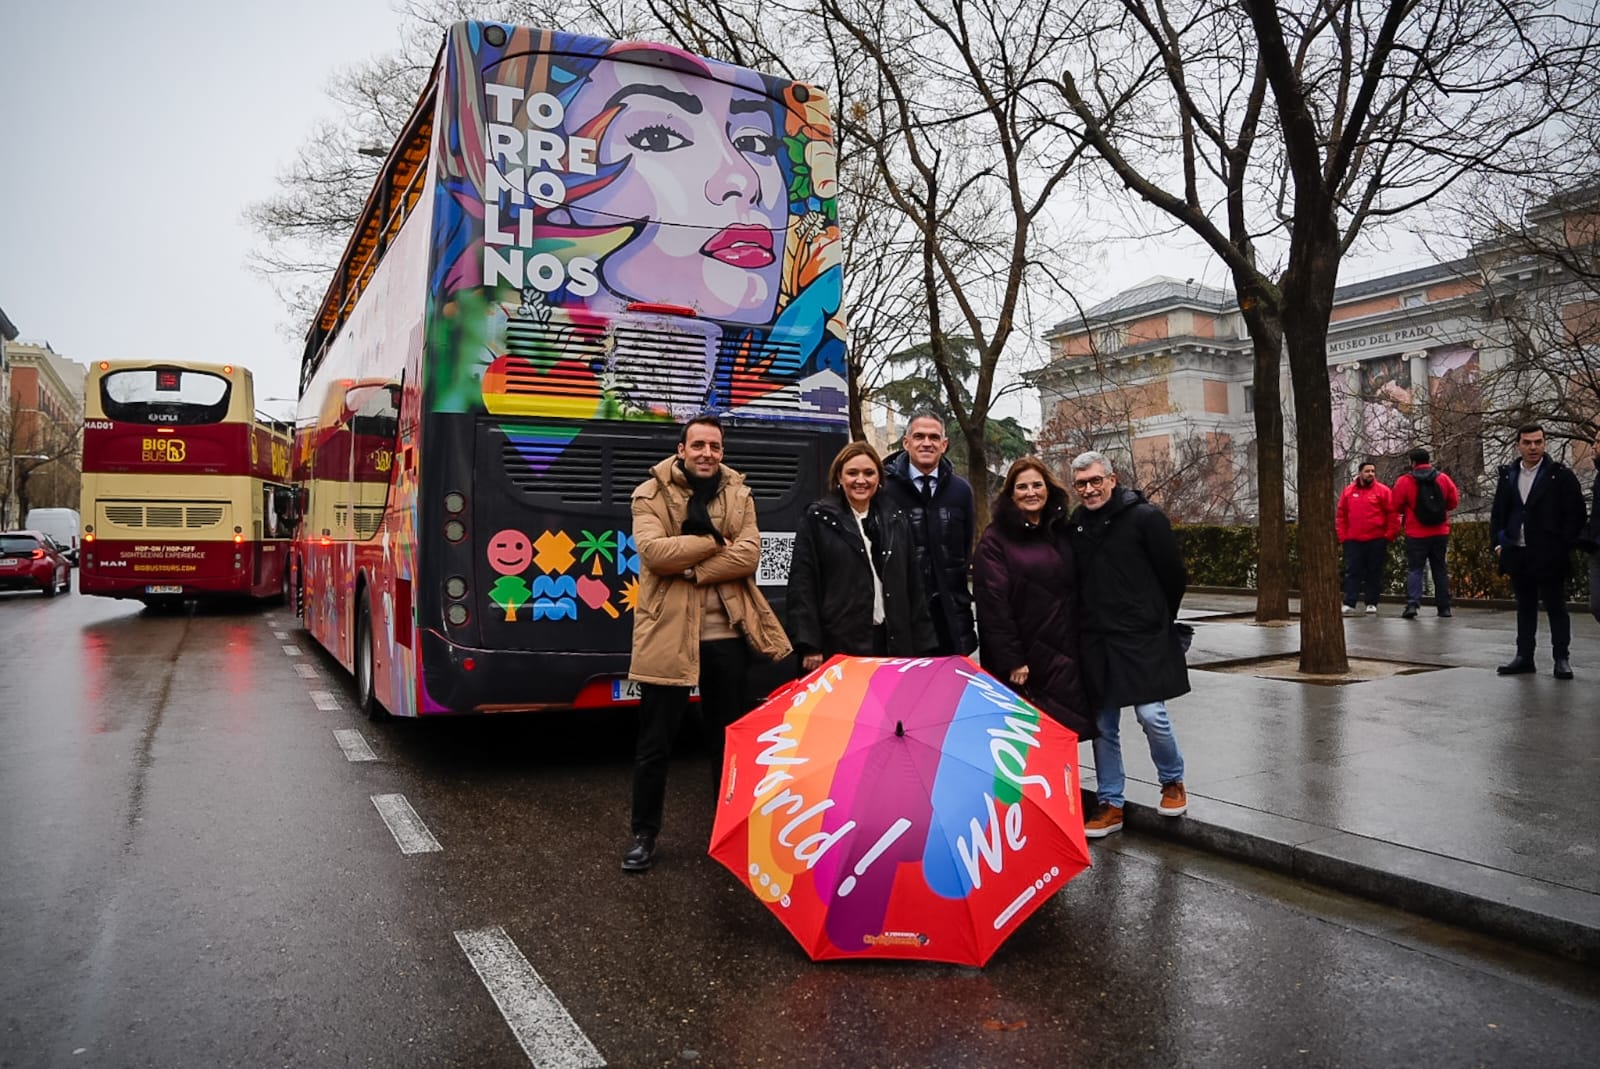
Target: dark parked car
32 560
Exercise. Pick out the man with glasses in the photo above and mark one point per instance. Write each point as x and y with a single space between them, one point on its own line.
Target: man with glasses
1535 522
1131 580
924 485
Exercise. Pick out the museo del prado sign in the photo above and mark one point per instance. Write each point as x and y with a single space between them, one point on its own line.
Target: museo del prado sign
1379 341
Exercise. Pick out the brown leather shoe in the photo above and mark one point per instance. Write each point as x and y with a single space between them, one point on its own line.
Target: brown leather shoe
1174 800
1106 819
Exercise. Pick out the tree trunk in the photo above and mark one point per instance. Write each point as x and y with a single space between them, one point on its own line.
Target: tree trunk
858 427
978 476
1308 289
1265 324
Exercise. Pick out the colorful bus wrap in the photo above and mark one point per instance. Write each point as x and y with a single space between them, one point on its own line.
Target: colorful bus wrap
186 491
575 246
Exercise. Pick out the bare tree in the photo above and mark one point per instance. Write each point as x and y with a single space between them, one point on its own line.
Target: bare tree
1540 264
40 462
1293 127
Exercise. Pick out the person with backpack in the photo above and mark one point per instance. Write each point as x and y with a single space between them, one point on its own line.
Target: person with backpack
1424 497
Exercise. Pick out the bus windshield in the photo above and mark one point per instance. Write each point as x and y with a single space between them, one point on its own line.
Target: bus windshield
167 395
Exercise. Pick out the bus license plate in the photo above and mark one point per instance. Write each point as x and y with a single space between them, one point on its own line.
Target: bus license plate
627 690
163 590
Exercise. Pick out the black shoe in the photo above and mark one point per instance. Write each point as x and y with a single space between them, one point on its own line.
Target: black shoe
641 854
1518 665
1444 612
1563 668
1410 613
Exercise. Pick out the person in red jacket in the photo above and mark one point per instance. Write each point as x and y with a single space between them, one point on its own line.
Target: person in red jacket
1365 522
1425 517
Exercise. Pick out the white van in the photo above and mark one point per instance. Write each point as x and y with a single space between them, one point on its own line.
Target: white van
60 524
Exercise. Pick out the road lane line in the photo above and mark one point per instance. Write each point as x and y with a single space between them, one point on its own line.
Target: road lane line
305 671
354 745
404 824
325 701
292 651
546 1032
280 635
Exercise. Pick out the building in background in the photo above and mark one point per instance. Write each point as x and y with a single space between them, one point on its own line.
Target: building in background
41 430
8 334
1157 378
1450 356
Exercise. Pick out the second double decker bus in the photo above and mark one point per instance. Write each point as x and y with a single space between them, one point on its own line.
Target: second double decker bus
186 490
576 245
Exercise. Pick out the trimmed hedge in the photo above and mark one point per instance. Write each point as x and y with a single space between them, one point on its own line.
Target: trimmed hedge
1219 555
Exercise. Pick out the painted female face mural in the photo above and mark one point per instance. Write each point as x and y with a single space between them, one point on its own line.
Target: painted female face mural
698 169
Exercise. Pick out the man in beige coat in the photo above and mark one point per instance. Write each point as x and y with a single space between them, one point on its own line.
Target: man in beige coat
698 615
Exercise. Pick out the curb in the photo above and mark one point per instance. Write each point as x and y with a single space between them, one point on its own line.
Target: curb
1535 913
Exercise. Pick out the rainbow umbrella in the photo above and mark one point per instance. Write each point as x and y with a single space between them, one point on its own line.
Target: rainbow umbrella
900 808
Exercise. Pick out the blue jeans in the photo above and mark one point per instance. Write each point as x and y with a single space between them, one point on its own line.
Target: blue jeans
1430 552
1108 771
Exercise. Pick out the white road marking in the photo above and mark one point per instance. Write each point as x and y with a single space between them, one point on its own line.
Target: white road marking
280 635
404 824
325 701
305 670
546 1032
292 651
354 745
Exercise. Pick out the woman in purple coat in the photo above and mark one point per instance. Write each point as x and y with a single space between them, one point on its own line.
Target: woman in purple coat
1027 598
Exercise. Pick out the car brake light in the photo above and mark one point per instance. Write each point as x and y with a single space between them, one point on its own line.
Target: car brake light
38 554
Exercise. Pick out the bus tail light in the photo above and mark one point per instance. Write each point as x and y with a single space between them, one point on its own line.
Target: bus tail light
455 587
456 614
88 536
468 664
455 530
455 503
238 539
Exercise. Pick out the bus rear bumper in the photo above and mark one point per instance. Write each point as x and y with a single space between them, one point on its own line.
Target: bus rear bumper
461 679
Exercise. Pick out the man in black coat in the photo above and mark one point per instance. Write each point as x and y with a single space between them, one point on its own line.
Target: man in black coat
1590 541
1131 580
938 504
1534 524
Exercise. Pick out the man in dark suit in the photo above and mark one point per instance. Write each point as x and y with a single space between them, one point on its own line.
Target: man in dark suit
921 481
1535 523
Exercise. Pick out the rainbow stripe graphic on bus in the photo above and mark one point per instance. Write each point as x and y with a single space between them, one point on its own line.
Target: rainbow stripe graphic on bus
640 234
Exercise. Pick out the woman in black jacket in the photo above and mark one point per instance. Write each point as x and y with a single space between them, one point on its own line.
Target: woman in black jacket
854 587
1027 595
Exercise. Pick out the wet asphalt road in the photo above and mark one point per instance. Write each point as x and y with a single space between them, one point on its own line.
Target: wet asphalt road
193 874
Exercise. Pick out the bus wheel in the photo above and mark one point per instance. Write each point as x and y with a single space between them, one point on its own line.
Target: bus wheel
366 693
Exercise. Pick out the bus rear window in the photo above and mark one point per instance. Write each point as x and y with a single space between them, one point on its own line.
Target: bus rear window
165 395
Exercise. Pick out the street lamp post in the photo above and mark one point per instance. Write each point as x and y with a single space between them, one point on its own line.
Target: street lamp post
11 482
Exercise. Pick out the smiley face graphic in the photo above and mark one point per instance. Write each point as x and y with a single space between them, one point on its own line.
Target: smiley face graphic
510 552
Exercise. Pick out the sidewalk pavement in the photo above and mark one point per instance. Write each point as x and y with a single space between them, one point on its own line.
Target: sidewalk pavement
1453 793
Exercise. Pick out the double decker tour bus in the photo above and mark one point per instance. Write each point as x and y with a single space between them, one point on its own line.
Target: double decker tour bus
575 246
186 491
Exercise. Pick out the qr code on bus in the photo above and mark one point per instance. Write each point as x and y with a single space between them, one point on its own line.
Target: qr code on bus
777 549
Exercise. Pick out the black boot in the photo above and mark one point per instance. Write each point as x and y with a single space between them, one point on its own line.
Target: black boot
1563 668
641 854
1518 665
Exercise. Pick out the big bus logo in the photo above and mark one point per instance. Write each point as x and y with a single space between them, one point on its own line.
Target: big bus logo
163 450
280 460
382 459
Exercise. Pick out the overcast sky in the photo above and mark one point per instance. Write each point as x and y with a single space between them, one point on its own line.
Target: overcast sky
135 133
